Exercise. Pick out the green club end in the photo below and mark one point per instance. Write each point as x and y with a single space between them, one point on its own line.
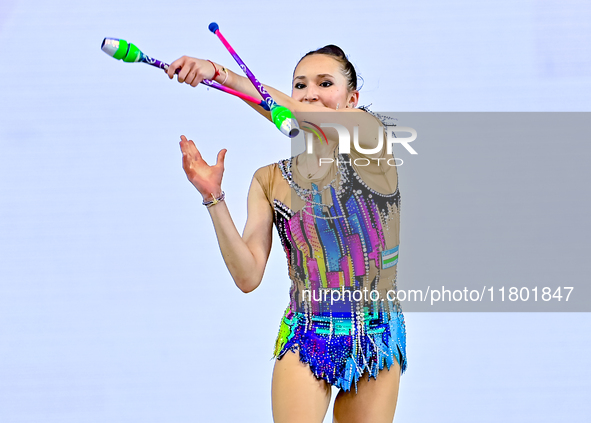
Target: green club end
121 49
133 54
284 121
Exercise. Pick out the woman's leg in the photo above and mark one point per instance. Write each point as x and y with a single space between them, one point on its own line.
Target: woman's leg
296 395
374 402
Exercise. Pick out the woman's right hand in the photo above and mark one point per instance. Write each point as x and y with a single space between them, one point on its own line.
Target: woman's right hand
193 70
207 179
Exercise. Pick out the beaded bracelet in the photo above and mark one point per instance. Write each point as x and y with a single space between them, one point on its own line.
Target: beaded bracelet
226 72
213 202
217 72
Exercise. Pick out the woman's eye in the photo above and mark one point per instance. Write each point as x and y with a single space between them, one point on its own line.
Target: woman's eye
299 86
326 84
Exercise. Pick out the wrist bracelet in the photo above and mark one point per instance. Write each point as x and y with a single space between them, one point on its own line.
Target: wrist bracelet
217 72
213 202
226 72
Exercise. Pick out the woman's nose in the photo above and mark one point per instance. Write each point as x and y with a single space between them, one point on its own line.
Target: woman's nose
311 95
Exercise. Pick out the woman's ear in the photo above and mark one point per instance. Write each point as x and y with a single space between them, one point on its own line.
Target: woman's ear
353 99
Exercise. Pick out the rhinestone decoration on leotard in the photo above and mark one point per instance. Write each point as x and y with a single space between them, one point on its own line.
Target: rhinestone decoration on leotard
336 245
308 194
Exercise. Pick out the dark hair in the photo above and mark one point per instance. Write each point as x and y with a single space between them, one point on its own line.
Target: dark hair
338 54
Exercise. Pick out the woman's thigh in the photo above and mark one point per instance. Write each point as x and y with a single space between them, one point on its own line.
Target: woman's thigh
296 395
374 402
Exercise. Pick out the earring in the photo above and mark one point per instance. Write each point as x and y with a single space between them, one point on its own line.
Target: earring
337 106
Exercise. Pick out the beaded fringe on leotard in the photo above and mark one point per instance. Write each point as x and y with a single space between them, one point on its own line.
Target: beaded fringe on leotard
335 355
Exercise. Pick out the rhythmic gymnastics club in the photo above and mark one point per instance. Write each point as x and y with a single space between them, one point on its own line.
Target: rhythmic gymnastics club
121 49
281 116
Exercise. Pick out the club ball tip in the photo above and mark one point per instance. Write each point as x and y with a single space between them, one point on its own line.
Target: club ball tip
213 27
110 46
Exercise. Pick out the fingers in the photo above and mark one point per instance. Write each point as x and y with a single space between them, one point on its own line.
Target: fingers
195 81
193 150
185 70
204 177
221 158
193 78
178 63
186 65
189 149
194 75
186 164
191 70
184 145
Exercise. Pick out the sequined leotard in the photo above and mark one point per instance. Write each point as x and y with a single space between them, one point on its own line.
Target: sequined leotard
341 235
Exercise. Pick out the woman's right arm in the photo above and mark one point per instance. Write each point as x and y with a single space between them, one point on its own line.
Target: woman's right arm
245 256
193 71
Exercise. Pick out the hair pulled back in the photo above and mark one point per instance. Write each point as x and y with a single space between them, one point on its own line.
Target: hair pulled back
338 54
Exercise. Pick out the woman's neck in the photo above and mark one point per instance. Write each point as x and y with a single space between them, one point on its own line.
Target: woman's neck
316 162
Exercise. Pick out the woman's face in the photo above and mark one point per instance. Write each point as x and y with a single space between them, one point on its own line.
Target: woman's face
318 80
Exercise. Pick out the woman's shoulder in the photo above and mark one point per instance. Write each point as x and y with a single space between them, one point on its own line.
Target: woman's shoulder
385 120
273 175
279 169
266 171
273 181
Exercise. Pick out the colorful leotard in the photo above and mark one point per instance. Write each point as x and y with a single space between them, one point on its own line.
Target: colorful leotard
341 237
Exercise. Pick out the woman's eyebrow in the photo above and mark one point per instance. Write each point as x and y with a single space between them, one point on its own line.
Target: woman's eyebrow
320 75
